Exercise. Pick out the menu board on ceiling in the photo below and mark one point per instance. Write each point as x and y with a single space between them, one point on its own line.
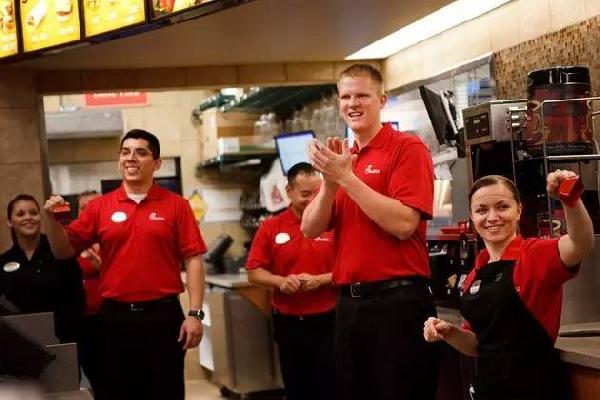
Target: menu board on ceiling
48 23
8 29
103 16
161 8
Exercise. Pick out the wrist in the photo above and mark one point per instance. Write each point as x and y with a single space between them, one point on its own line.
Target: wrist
346 179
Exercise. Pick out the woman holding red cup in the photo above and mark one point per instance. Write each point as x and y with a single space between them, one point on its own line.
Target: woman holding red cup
512 298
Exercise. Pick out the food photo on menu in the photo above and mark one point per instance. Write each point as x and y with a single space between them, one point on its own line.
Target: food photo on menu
47 23
170 6
63 9
37 14
7 16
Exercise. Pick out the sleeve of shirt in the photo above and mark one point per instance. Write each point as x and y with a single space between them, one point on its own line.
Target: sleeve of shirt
411 180
543 260
259 255
191 242
83 231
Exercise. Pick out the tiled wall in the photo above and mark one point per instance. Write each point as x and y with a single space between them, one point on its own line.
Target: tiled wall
578 44
21 163
516 22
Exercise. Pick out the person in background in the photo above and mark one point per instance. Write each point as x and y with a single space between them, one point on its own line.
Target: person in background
376 197
299 271
512 298
145 233
89 346
33 279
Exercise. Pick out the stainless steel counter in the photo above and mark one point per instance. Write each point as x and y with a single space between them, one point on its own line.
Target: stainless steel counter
228 281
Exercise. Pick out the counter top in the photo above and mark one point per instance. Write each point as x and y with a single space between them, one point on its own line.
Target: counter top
582 346
230 281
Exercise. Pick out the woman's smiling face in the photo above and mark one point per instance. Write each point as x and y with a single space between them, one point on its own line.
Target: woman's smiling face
25 218
495 213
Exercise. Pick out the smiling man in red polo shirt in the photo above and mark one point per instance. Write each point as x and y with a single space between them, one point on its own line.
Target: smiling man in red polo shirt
299 271
376 197
145 233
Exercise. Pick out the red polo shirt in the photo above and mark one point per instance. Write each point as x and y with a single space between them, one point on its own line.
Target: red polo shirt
397 165
142 245
538 276
280 248
91 284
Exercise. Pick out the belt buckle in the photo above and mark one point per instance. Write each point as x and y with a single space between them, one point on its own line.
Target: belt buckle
355 290
134 307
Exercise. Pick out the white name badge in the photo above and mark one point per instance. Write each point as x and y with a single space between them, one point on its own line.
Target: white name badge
11 266
474 289
118 216
282 238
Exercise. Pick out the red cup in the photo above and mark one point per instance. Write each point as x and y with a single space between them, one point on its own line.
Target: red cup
570 190
62 213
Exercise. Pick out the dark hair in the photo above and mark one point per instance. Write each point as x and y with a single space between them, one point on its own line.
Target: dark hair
20 197
153 142
490 180
366 70
11 205
300 168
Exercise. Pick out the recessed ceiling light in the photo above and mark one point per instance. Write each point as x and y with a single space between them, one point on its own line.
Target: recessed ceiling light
435 23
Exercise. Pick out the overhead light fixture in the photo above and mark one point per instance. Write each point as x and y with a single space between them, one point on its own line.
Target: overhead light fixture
433 24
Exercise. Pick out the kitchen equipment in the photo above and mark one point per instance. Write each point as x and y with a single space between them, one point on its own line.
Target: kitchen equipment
488 133
566 127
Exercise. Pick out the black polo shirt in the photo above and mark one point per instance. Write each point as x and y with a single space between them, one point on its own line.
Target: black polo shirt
44 284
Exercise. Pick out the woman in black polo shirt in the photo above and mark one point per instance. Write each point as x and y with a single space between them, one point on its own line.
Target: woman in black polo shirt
32 279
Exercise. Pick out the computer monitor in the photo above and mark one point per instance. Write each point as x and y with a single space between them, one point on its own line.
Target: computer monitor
350 133
292 148
438 109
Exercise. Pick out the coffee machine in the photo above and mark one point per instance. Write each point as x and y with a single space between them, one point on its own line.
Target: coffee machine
489 129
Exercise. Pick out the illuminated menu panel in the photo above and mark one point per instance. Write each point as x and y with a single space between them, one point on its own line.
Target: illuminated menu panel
165 7
8 29
108 15
47 23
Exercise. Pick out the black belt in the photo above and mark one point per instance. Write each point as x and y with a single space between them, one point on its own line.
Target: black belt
370 289
304 317
140 305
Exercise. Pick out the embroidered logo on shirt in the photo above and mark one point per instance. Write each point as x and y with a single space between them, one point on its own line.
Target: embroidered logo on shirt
282 238
155 217
371 170
118 217
321 239
11 266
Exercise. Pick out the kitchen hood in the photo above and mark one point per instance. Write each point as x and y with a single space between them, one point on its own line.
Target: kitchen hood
84 124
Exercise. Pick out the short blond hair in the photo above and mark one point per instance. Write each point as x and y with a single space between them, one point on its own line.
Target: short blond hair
363 70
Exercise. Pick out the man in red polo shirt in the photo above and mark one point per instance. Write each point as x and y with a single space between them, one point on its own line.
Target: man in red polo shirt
299 271
376 197
145 233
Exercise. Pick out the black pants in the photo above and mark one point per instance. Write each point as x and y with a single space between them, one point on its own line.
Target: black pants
142 358
90 350
380 350
306 355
